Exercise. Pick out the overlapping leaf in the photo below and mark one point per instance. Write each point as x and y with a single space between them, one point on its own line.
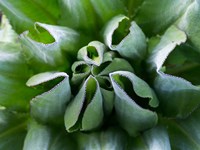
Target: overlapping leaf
85 111
178 97
132 116
125 37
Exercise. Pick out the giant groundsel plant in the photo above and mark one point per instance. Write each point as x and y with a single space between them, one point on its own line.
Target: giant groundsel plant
100 74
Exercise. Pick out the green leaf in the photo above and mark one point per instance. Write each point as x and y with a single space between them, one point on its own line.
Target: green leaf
41 137
183 133
50 106
157 15
14 74
12 129
178 97
92 53
110 66
108 8
23 14
132 117
48 52
125 37
75 14
110 139
157 138
81 70
189 21
172 37
6 32
85 111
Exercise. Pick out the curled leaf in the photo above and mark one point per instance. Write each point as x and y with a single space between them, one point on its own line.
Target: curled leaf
85 111
178 97
131 115
50 105
92 53
125 37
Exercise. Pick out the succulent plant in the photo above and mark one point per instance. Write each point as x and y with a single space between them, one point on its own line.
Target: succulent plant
100 74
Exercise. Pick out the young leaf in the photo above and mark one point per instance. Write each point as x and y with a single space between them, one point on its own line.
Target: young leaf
131 45
85 111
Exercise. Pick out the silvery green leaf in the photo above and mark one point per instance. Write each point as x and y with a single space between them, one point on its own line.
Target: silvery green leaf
81 70
7 34
125 37
44 48
42 137
178 97
50 106
189 22
92 53
85 111
110 139
110 66
132 117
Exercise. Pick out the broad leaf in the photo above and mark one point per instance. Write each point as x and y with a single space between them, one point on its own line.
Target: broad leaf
130 114
23 14
41 137
110 139
14 74
50 106
156 15
108 8
178 97
125 37
12 129
189 21
47 52
78 14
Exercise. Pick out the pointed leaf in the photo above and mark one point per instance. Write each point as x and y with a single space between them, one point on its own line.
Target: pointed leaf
50 106
131 44
7 34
